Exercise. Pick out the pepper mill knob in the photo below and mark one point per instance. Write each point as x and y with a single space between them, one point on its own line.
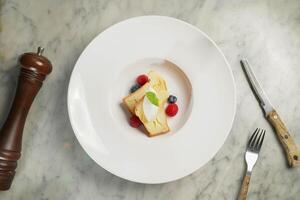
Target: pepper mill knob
36 63
34 69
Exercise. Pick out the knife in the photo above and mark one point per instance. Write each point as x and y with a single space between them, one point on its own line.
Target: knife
291 150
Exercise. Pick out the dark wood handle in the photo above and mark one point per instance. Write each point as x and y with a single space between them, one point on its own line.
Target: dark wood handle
291 150
34 68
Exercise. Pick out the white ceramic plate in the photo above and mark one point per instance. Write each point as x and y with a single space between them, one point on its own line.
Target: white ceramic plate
196 72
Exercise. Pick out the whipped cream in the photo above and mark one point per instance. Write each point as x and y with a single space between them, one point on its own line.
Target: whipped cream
150 110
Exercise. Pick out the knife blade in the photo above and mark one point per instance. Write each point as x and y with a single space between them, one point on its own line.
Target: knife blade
291 150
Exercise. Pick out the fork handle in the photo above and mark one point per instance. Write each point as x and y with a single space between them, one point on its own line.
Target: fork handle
244 188
291 150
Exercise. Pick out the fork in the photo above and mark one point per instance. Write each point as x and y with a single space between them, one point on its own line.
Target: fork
251 156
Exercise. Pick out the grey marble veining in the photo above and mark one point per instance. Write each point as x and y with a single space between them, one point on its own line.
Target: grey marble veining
53 164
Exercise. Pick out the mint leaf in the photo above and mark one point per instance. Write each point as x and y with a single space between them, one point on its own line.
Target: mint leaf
152 98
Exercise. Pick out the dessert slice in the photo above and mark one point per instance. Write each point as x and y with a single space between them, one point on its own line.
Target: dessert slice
150 109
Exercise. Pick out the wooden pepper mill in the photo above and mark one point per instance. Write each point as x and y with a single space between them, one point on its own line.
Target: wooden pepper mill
34 69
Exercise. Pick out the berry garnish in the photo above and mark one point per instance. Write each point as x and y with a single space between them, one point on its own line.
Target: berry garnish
142 79
134 88
172 109
135 122
172 99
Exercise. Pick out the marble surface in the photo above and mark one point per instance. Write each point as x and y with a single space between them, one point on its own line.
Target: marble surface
53 164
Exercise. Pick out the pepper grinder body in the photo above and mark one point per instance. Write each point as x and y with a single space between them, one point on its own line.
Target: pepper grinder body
34 69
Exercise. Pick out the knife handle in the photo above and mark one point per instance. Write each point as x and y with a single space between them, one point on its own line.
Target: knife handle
291 150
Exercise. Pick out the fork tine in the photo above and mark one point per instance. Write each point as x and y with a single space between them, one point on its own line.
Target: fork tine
256 145
262 140
251 138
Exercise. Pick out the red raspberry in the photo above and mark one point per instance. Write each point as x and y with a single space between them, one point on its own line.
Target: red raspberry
172 109
134 121
142 79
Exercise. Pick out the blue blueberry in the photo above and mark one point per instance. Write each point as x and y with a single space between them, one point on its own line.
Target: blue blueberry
134 88
172 99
